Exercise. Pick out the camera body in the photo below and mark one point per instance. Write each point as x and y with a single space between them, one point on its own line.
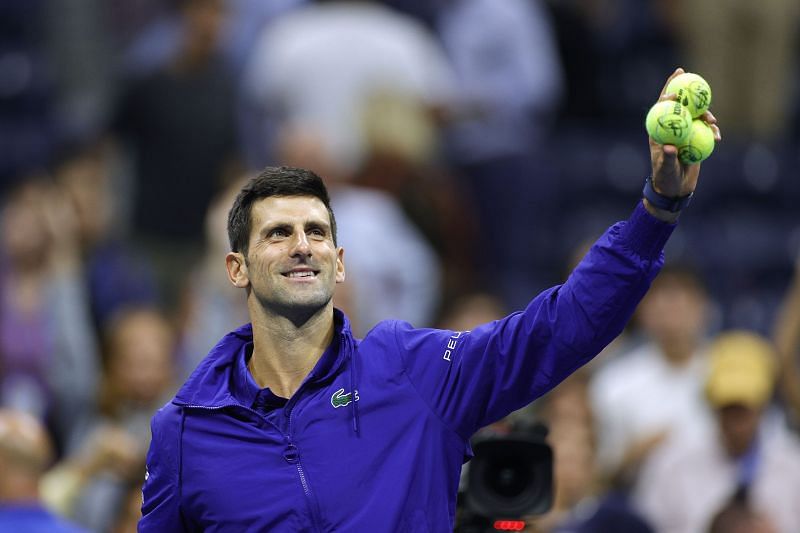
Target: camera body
509 478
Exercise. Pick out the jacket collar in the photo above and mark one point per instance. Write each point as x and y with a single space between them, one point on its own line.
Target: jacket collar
211 385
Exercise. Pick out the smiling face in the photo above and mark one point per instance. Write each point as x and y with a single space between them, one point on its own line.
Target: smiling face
292 265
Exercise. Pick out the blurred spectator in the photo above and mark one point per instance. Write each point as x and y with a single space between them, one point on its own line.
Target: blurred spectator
245 24
581 504
508 73
393 270
471 310
25 453
115 276
316 67
48 352
211 305
687 482
655 391
754 103
129 511
786 336
179 122
91 483
151 31
738 516
401 141
509 83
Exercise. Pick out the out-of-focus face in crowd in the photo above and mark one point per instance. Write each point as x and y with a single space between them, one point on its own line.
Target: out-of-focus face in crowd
86 182
24 235
140 366
25 452
738 426
674 311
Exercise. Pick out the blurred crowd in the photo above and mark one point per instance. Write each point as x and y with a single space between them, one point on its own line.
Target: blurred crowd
472 149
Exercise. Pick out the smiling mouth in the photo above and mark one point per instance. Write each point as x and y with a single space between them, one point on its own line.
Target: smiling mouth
301 274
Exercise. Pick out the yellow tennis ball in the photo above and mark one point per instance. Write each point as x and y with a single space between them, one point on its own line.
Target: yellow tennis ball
693 92
698 145
668 122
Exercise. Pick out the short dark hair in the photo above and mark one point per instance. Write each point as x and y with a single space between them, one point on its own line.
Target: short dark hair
273 181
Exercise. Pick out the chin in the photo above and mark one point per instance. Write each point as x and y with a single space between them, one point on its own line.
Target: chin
298 305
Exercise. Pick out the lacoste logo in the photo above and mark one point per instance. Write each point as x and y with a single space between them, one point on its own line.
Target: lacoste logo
340 399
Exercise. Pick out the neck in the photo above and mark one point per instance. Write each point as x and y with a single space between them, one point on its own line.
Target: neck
284 352
19 489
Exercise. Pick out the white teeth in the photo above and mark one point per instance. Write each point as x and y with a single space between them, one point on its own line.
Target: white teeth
304 274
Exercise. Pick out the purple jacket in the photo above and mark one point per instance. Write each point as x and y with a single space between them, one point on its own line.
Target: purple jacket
375 437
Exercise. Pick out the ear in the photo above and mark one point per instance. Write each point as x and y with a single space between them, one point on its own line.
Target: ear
340 265
237 270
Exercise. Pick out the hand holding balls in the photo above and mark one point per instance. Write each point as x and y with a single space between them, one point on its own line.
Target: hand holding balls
675 121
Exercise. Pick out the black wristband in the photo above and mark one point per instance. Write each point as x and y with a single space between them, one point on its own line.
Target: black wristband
673 205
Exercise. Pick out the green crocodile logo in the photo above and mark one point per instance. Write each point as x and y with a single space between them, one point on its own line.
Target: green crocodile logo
340 399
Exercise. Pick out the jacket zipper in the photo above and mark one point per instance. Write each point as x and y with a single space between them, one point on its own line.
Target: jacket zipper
316 519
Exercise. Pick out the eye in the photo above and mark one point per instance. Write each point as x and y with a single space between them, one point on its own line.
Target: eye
317 232
278 233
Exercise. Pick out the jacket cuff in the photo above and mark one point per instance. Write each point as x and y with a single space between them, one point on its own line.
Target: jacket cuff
645 234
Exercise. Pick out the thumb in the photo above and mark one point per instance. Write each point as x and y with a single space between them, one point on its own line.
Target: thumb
667 173
670 152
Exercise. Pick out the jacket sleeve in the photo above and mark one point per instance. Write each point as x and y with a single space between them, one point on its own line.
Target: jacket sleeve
161 490
471 379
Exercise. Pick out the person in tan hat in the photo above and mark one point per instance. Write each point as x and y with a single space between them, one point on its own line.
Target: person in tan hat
685 486
739 385
25 453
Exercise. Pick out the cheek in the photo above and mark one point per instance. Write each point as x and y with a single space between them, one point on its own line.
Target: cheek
258 266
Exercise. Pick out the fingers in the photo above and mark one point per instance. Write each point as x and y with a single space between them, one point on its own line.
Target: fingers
678 72
709 118
717 132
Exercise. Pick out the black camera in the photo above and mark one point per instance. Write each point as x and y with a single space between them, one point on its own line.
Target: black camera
509 478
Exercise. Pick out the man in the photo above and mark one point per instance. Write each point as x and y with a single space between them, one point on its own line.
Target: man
291 424
632 418
752 457
25 454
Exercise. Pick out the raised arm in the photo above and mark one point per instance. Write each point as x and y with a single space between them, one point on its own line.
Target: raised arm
474 378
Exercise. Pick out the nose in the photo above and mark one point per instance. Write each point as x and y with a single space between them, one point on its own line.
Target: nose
300 245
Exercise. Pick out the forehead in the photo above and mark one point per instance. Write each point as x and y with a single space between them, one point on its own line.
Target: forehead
677 286
288 210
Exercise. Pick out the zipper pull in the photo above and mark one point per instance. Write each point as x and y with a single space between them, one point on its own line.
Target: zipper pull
291 454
